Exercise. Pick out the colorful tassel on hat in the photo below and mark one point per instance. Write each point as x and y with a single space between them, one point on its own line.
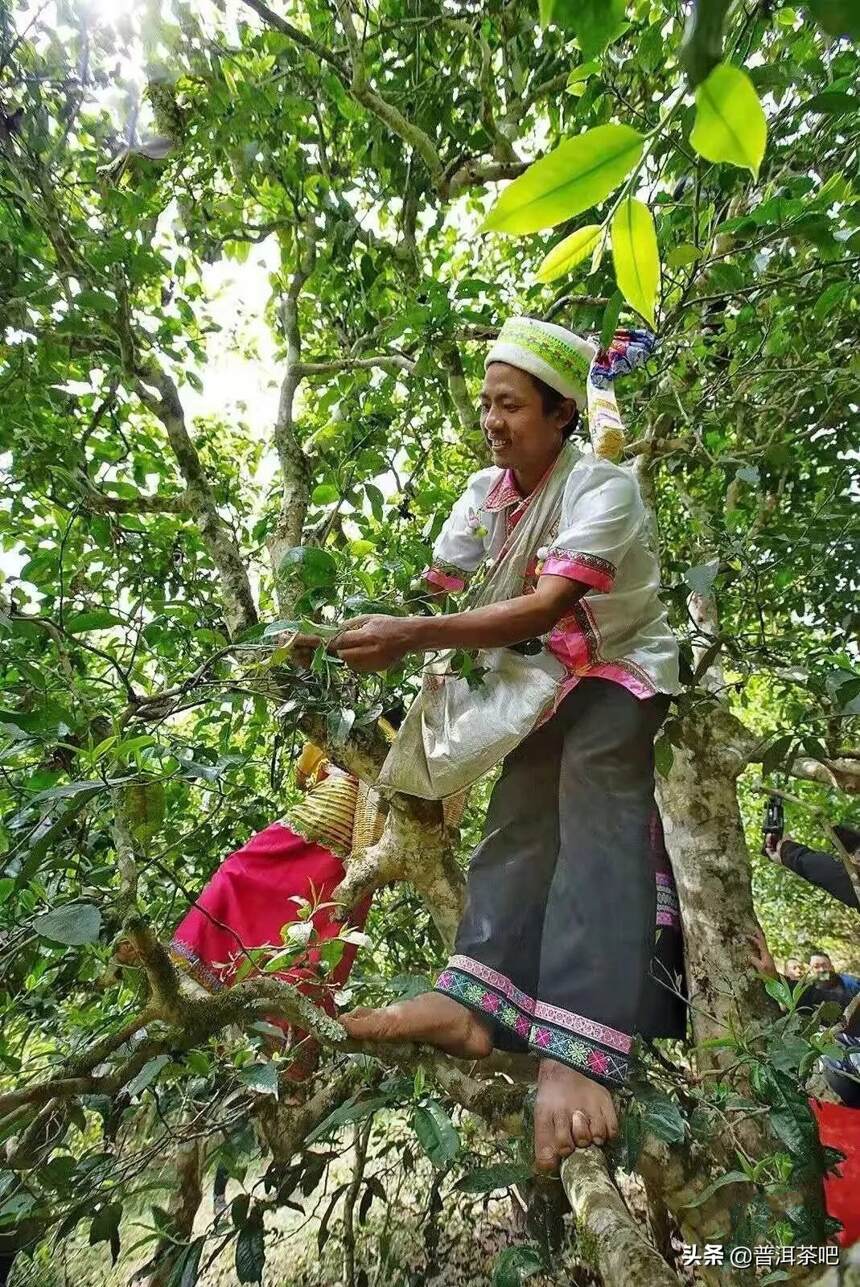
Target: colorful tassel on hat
627 350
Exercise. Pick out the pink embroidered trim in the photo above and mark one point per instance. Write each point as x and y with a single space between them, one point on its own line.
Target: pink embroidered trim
578 567
503 492
668 920
498 981
550 1014
443 579
619 673
584 1027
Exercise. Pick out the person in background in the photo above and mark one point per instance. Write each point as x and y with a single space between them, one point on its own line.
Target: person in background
822 971
794 970
821 987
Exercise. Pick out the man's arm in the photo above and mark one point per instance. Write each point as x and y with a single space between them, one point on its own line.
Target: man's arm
374 643
819 868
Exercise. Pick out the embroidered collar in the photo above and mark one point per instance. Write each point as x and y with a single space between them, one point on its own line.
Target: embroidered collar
504 492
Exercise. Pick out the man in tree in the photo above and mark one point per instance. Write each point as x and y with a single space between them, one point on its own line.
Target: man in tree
554 949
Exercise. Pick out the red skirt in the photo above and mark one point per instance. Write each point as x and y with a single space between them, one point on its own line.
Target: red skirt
839 1127
249 900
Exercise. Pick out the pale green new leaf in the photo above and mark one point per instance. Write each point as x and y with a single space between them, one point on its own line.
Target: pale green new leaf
637 260
577 174
730 123
570 252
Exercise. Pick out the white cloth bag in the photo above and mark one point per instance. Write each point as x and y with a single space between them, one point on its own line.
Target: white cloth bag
453 733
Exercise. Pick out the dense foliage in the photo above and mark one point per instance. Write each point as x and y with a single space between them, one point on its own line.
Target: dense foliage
147 725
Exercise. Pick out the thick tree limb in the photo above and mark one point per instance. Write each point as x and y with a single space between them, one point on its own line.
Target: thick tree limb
240 611
476 172
390 361
295 475
625 1257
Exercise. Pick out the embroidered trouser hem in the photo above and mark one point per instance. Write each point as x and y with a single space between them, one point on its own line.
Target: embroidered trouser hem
601 1053
557 939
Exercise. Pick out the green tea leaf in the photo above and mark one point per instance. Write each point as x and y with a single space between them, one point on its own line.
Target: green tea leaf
577 174
837 17
832 103
730 123
251 1250
187 1267
594 22
80 623
263 1078
731 1177
72 925
436 1133
147 1075
564 257
637 259
515 1264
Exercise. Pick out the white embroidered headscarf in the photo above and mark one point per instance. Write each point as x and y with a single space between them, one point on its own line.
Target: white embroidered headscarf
575 368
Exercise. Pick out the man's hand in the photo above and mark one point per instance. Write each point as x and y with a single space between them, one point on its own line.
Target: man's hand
760 955
773 847
301 647
373 642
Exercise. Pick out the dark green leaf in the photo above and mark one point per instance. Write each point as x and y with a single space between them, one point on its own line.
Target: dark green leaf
731 1177
609 322
263 1078
777 753
664 756
594 22
515 1264
832 103
72 925
837 17
702 48
251 1250
187 1267
353 1112
661 1115
98 619
436 1133
485 1179
105 1227
700 578
316 567
147 1075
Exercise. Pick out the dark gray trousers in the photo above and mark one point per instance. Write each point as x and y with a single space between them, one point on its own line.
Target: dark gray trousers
559 930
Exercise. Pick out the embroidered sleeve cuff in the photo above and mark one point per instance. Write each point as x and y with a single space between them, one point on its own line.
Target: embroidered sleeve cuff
588 568
444 579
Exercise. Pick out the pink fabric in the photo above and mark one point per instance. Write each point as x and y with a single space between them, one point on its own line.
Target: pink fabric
571 566
248 901
443 579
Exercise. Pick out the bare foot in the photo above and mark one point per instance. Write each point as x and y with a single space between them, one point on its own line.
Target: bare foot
431 1018
571 1111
